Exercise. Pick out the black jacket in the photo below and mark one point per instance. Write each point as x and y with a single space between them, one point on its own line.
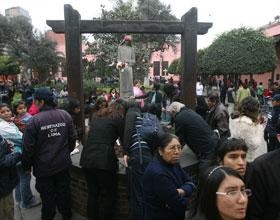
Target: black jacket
195 132
48 139
270 130
129 129
8 172
98 151
162 201
218 118
265 184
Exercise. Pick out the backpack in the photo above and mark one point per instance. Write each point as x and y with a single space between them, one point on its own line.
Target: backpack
150 128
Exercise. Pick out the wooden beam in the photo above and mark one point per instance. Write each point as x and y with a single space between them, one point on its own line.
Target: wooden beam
74 59
203 27
125 26
189 58
188 27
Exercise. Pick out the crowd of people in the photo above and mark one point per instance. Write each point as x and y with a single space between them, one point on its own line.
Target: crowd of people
232 175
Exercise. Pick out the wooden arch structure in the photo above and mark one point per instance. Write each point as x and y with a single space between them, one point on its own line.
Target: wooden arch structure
72 26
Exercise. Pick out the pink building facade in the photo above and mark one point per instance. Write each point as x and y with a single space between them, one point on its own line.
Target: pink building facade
162 60
59 39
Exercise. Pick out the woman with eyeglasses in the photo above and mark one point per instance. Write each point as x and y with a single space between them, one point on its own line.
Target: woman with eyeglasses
222 195
167 188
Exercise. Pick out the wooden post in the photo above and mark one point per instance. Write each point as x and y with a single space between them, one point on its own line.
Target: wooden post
188 27
189 58
74 59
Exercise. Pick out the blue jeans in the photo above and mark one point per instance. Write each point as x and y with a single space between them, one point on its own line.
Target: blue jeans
23 192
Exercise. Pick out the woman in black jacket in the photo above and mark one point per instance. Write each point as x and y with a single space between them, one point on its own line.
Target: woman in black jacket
99 161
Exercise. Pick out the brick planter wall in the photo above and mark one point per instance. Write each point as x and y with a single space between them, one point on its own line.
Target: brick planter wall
79 191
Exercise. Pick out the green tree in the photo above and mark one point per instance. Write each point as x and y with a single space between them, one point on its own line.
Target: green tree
20 40
28 48
5 32
239 51
175 67
105 46
44 57
8 66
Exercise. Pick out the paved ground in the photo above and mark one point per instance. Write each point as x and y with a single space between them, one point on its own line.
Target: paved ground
35 212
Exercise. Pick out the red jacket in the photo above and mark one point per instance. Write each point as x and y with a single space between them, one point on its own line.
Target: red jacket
33 110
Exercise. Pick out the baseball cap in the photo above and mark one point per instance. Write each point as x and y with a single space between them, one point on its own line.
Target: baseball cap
43 93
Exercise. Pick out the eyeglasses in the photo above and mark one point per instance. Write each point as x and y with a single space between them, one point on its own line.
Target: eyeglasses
174 148
235 193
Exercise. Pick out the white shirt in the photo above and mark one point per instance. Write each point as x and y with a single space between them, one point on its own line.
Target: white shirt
199 88
252 133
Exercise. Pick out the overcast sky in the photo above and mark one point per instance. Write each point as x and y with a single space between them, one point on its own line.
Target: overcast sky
225 14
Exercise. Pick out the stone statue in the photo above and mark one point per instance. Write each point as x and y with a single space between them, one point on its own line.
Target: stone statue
126 58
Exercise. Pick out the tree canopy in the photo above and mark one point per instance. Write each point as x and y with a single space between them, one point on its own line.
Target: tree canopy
23 46
8 66
239 51
104 48
175 67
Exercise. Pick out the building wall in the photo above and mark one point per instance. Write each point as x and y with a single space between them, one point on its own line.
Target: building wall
272 30
59 39
258 78
16 12
167 55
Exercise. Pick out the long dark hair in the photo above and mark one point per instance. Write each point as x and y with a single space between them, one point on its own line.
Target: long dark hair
99 108
209 184
116 109
73 103
249 107
17 104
